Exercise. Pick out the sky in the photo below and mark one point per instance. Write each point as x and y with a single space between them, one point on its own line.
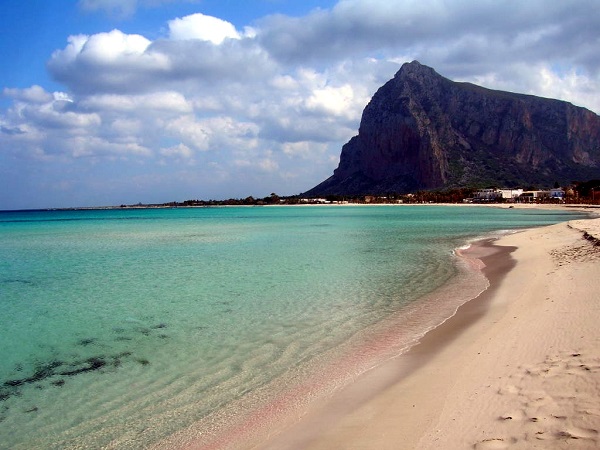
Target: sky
109 102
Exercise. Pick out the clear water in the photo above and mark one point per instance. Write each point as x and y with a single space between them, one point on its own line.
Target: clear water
121 327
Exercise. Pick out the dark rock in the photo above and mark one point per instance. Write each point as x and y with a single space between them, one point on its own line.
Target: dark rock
423 131
15 383
42 372
90 365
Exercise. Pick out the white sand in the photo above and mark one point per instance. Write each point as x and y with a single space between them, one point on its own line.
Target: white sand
518 367
535 381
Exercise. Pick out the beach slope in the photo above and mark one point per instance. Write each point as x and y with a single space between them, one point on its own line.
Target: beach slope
518 367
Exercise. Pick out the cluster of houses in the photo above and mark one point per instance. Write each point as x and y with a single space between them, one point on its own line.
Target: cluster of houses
516 195
556 195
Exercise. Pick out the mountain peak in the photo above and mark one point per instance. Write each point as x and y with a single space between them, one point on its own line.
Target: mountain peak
423 131
414 68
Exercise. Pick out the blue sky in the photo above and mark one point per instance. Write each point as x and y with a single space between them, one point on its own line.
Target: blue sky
107 102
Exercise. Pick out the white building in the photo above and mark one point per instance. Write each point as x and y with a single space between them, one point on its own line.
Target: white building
492 195
486 195
533 196
557 193
510 194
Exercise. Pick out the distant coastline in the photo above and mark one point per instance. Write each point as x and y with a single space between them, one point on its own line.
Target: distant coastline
584 195
224 204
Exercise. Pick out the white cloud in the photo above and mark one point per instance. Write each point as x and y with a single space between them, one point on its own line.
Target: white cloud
70 52
36 109
284 82
190 132
333 100
48 116
169 101
106 62
34 94
113 47
205 28
62 97
177 151
126 129
305 150
577 88
268 165
93 146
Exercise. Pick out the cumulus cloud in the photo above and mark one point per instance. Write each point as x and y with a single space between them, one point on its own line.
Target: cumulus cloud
34 94
116 62
358 26
200 26
106 62
332 100
169 101
269 107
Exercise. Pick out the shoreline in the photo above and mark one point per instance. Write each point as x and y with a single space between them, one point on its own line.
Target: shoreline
395 401
340 368
370 389
318 385
429 399
586 207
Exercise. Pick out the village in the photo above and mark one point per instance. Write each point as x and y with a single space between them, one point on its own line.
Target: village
520 195
582 193
578 193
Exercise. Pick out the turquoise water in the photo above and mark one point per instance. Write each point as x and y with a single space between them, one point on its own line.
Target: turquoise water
121 327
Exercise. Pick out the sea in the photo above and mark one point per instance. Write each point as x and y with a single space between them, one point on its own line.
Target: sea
141 328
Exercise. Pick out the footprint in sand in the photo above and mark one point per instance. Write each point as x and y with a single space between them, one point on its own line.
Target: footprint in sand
508 389
581 433
516 415
536 399
543 436
589 411
496 443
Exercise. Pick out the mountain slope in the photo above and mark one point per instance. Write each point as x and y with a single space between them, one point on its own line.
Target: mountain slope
423 131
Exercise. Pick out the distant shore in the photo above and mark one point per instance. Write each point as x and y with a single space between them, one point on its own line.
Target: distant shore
551 206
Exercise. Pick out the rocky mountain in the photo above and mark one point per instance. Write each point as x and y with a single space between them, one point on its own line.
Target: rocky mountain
423 131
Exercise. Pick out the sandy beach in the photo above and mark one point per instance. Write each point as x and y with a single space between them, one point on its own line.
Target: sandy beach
518 367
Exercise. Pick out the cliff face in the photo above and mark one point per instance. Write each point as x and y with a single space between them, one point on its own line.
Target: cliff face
423 131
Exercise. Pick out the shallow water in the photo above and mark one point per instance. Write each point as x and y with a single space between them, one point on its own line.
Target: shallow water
121 327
